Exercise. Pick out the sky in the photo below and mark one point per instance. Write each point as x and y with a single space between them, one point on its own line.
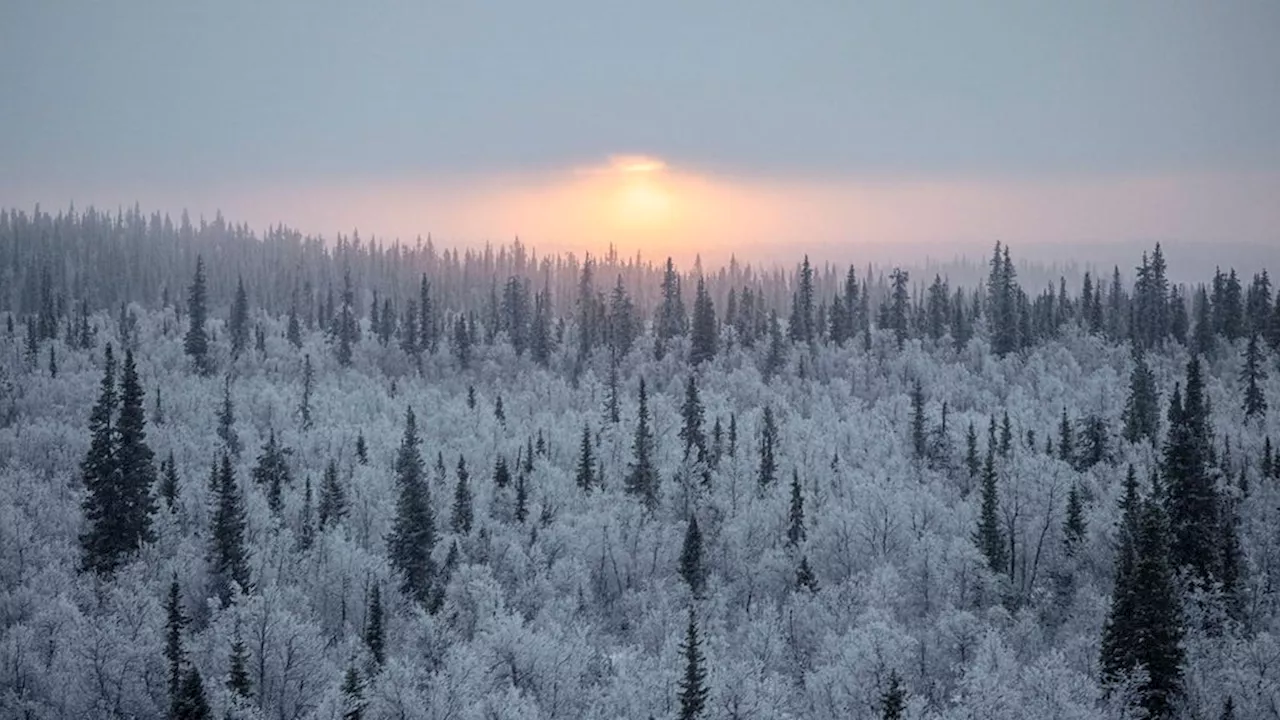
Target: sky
741 127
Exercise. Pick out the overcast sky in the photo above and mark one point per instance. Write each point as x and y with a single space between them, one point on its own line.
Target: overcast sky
203 103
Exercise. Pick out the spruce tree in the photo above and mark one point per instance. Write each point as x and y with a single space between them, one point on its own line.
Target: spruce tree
893 703
272 472
1192 496
239 322
612 403
1228 709
1231 557
228 558
196 342
776 358
169 482
522 497
642 476
227 422
691 569
768 470
306 532
413 534
971 461
352 695
374 637
988 537
501 473
586 464
1073 527
175 623
308 381
348 330
1066 439
333 499
691 432
795 517
362 449
1142 411
805 579
1253 375
693 686
294 331
238 683
919 440
191 703
671 321
702 344
462 511
1144 625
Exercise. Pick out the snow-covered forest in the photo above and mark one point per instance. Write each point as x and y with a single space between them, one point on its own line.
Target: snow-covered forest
262 475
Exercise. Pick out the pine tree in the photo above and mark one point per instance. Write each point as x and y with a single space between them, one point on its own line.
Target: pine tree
642 476
238 683
352 695
971 461
348 330
691 432
612 403
703 342
805 579
413 534
988 538
294 331
522 497
693 686
1253 375
1144 625
228 558
308 381
333 499
691 569
175 623
1066 439
306 533
795 516
501 474
239 322
53 362
893 703
1192 497
919 440
800 328
776 358
586 464
227 421
191 703
768 471
895 314
272 472
671 321
1073 527
462 512
1141 412
374 637
196 342
169 482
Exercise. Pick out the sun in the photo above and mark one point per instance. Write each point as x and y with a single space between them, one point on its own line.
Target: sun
641 196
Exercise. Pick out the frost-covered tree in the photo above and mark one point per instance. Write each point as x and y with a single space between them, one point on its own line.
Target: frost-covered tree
413 533
238 325
584 477
333 498
228 555
227 422
1192 498
196 343
768 469
796 533
1142 408
1253 375
462 516
989 537
175 653
642 475
694 692
271 472
374 635
704 339
691 567
191 703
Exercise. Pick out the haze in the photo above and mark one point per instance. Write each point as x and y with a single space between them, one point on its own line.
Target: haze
837 128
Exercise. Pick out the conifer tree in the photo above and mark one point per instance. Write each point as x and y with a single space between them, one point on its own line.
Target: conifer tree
988 537
352 695
1253 375
971 461
501 473
462 512
805 579
642 476
53 362
691 432
776 358
1141 412
374 637
1066 439
1192 497
1144 625
671 321
795 517
174 653
1073 527
293 333
191 703
306 532
693 686
1232 561
238 683
196 342
893 703
228 558
239 322
333 499
413 534
272 472
586 465
768 471
348 330
704 340
168 482
522 497
691 569
612 403
308 381
919 440
227 421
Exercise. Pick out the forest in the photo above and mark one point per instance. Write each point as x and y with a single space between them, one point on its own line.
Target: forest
266 475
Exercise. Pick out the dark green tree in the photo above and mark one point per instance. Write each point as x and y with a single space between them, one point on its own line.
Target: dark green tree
1192 498
642 476
501 473
374 636
671 321
691 568
348 330
169 482
776 358
691 432
413 534
768 471
1066 439
693 686
191 703
919 438
988 537
238 682
704 340
462 510
586 464
333 498
308 383
1142 408
805 579
1073 527
800 328
352 695
238 325
1253 375
795 516
306 531
175 623
227 422
294 330
196 342
272 472
893 703
228 558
